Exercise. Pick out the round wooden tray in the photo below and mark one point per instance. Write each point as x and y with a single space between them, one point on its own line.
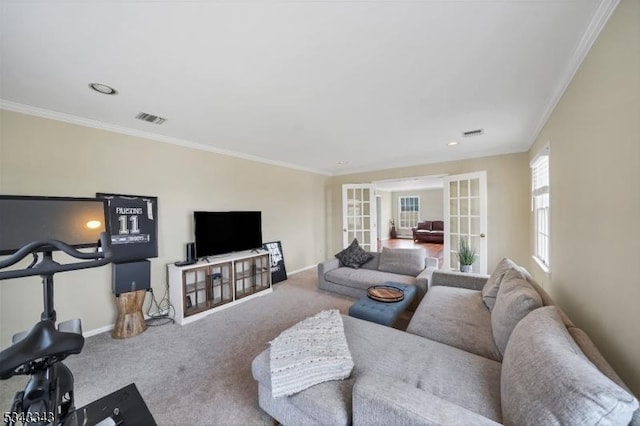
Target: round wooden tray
385 293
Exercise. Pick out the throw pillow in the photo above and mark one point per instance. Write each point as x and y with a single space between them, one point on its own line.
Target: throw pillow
354 256
402 261
490 289
516 298
546 379
313 351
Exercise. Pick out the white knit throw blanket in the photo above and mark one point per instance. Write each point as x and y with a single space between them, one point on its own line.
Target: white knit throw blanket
312 351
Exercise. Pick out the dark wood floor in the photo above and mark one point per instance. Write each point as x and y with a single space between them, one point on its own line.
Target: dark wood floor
433 250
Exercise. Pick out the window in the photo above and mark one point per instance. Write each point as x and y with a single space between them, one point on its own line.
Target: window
409 211
540 206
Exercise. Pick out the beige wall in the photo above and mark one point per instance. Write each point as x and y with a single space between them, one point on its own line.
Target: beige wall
46 157
594 135
507 193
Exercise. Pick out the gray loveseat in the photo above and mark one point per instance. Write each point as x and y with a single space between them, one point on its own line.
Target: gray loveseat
479 350
406 266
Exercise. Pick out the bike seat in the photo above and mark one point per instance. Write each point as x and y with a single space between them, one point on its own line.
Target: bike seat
41 342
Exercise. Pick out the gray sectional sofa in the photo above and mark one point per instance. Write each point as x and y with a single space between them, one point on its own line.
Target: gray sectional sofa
479 350
406 266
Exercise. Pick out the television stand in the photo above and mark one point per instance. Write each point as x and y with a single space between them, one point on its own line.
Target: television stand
196 291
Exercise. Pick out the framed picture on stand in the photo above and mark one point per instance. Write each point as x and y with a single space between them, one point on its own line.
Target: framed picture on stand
278 270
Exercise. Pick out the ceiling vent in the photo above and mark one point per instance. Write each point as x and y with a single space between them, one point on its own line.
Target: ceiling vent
476 132
150 118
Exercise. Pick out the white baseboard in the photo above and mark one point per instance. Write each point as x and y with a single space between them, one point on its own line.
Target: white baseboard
99 330
306 268
110 327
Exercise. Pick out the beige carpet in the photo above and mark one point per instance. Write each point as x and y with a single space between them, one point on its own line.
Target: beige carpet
200 373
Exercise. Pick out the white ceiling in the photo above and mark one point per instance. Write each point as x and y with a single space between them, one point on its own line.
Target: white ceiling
303 83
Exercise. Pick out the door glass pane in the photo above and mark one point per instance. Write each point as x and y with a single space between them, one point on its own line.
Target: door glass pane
475 187
453 189
453 207
464 206
475 226
453 225
464 225
475 206
475 242
454 261
464 188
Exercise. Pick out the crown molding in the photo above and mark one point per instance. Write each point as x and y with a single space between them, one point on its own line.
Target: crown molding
95 124
598 21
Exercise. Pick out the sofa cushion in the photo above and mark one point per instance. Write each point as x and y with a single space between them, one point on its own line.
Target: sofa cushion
354 256
459 377
402 261
456 317
425 225
516 298
364 278
437 225
490 289
546 379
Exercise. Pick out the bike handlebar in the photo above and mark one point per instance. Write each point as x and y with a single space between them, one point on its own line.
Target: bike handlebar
47 268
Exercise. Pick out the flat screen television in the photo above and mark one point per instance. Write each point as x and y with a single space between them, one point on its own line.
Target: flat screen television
77 222
226 232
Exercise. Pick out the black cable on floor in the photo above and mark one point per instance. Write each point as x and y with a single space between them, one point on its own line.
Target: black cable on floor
158 318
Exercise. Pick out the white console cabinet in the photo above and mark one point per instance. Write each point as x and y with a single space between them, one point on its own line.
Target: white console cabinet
198 290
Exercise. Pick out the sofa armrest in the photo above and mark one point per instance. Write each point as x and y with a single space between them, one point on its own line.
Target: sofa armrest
382 400
422 281
325 267
458 279
328 265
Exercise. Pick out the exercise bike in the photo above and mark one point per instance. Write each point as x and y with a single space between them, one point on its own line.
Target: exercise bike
47 398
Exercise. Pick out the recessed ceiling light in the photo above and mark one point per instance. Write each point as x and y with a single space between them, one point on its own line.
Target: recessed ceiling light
103 88
452 143
342 162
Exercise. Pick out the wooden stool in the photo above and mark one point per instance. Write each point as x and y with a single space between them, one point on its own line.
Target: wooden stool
130 321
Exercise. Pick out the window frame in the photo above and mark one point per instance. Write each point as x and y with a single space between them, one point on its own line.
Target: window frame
541 207
402 220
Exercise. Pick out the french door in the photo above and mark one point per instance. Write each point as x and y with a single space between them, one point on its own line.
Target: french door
359 215
465 212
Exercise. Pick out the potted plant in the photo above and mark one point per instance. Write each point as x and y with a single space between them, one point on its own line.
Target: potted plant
466 255
393 234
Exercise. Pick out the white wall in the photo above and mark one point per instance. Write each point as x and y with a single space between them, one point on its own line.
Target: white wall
45 157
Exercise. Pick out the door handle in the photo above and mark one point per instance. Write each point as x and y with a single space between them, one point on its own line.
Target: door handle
482 235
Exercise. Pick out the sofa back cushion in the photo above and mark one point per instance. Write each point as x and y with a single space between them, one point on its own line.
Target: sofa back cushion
425 225
546 379
437 225
402 261
373 262
516 298
490 289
